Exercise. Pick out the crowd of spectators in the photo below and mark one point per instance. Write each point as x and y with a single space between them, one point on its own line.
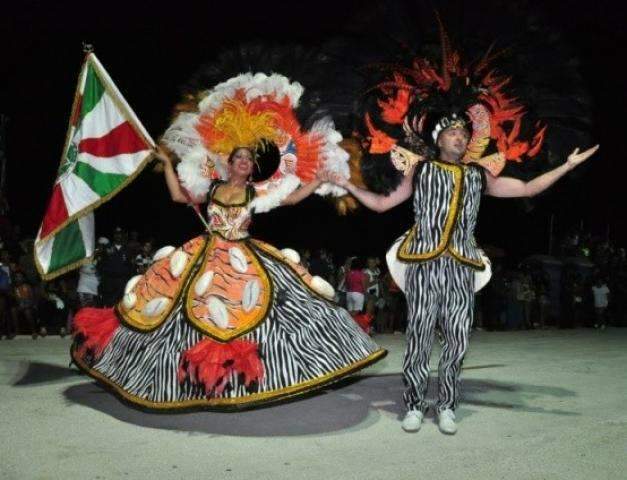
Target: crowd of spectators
584 286
31 306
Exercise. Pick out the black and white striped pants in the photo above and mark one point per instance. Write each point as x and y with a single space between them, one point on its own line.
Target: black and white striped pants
439 292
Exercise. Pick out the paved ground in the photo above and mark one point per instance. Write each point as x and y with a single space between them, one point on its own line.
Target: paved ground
537 405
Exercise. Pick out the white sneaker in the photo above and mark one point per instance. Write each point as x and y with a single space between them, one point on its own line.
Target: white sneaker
412 421
446 422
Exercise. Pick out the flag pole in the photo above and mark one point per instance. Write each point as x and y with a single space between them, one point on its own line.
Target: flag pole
194 206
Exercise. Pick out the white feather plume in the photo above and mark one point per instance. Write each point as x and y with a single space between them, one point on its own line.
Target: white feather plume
255 86
276 193
334 158
190 172
181 137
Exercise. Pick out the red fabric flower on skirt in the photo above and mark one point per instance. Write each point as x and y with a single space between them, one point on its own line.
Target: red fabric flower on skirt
96 326
212 364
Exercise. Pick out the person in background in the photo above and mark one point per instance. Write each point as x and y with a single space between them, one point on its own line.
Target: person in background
26 262
87 288
25 305
114 268
601 294
543 291
578 308
143 259
528 297
7 320
373 299
305 258
341 281
321 266
356 285
53 309
134 246
329 265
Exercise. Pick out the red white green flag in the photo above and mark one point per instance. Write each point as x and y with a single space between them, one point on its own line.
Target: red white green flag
106 147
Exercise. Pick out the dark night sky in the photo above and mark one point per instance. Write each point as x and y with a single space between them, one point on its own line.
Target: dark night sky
150 52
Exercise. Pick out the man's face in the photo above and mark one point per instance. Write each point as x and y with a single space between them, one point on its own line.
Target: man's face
454 141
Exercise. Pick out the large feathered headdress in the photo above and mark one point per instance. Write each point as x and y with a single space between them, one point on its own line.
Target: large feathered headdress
411 104
257 111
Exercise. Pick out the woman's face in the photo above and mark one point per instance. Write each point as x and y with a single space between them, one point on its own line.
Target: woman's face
241 163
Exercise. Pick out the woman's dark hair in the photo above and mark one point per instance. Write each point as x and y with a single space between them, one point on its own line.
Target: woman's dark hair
266 160
357 264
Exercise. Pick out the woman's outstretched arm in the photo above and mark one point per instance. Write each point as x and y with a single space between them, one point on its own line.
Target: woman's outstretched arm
171 178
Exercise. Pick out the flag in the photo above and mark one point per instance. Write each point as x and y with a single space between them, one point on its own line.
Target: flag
106 147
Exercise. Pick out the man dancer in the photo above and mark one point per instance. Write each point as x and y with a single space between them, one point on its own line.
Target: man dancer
442 256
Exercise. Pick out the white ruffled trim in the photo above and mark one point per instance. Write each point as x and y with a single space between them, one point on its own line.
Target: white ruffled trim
181 137
333 158
190 172
277 192
255 86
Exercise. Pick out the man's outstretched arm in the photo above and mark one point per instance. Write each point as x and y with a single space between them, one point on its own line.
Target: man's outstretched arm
507 187
377 202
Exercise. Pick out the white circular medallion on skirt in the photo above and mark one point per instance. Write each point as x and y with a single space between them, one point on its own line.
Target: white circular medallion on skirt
291 255
162 253
155 307
321 286
129 300
130 285
177 263
217 312
203 283
238 260
250 295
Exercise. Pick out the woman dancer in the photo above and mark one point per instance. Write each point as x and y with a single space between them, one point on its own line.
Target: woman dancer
224 321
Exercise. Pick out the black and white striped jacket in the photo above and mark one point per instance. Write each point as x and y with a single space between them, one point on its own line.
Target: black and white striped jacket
446 205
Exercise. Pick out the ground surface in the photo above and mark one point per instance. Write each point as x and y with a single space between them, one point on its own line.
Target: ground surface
537 405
